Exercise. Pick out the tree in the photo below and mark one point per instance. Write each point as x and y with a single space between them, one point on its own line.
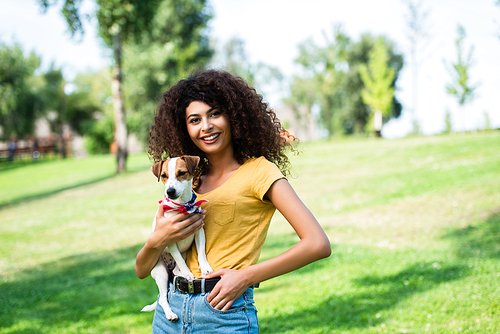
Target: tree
90 109
330 80
234 59
460 86
89 100
417 32
177 45
54 98
118 23
378 78
323 68
357 113
20 98
302 99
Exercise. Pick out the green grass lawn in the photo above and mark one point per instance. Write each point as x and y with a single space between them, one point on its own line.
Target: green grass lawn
414 225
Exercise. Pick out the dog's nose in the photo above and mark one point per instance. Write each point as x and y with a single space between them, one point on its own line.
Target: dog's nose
171 192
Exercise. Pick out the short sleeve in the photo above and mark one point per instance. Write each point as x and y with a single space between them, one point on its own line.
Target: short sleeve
265 174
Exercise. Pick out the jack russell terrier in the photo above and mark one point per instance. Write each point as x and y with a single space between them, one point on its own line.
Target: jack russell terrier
177 175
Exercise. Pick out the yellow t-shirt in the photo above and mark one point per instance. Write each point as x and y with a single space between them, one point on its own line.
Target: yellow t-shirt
238 217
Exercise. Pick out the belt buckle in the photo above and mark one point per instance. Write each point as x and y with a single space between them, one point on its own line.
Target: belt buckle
177 284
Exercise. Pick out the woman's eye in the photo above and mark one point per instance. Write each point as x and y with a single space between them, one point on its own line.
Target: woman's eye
194 120
216 113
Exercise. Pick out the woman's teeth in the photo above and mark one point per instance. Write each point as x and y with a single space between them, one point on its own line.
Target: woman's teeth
211 137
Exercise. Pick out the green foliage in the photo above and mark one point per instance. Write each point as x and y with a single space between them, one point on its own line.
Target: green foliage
89 100
54 98
330 79
234 59
324 71
128 19
99 134
358 111
20 98
178 45
414 227
378 77
461 87
165 40
89 110
70 11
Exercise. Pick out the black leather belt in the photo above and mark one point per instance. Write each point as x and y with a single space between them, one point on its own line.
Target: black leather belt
194 286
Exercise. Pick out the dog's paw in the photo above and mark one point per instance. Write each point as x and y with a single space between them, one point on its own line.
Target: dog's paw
205 270
171 316
188 275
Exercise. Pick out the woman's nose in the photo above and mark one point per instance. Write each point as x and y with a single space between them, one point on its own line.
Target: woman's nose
206 124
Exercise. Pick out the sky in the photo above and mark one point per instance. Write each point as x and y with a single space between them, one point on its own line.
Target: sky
273 29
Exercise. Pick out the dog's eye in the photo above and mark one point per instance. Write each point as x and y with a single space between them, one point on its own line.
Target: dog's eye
164 175
181 173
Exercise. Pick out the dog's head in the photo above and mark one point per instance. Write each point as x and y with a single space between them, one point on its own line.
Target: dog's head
176 174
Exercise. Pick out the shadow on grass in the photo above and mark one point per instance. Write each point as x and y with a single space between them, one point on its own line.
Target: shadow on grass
29 198
278 244
479 241
82 291
18 163
361 310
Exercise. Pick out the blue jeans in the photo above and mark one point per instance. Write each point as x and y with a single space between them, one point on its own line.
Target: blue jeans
197 316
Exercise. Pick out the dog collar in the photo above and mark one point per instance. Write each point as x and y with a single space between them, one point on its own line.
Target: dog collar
192 206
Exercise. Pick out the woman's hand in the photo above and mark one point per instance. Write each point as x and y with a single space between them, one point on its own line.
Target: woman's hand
167 232
172 229
232 285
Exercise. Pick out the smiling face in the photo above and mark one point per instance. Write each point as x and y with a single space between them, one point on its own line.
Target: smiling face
209 128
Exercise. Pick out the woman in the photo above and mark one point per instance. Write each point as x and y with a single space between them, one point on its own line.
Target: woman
219 118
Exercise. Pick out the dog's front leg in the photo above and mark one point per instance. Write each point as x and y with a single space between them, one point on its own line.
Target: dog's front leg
199 239
179 261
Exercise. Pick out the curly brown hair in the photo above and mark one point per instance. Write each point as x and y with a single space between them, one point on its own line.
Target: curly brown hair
255 129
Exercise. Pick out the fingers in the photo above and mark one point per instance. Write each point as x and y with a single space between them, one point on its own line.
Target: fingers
175 228
193 227
159 213
219 300
217 273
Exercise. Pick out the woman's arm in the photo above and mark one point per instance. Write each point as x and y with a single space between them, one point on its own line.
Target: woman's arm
167 232
313 245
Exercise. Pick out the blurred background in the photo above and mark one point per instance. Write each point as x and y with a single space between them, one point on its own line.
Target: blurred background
395 103
306 58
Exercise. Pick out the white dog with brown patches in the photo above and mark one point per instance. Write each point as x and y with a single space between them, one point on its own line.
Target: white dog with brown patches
177 175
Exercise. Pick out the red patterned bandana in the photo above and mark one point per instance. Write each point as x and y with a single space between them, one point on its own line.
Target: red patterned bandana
190 207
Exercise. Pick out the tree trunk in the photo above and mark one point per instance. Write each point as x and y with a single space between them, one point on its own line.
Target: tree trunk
62 119
415 123
377 123
118 108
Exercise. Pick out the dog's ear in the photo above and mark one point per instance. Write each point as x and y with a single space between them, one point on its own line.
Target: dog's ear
191 162
156 169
